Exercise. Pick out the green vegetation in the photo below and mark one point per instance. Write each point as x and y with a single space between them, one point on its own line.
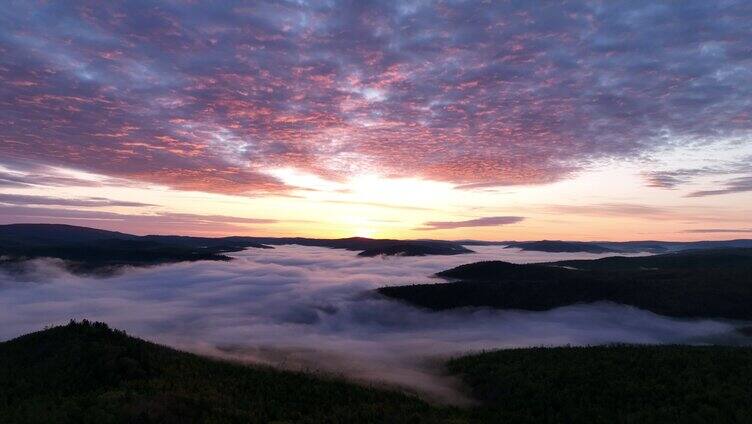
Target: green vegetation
610 384
88 373
694 283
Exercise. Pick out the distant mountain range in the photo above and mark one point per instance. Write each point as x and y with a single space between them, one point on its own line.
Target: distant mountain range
651 246
416 249
561 246
93 250
90 250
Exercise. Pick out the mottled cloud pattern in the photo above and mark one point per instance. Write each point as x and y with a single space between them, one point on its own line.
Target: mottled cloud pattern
208 96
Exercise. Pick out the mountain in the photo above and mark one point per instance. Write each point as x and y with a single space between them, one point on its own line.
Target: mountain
674 246
560 246
88 373
229 244
416 249
694 283
374 247
650 246
49 234
89 250
610 384
93 250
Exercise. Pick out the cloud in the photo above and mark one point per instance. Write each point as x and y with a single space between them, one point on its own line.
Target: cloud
490 221
615 209
478 94
378 205
313 309
44 176
666 179
23 200
719 230
687 214
153 222
671 179
734 185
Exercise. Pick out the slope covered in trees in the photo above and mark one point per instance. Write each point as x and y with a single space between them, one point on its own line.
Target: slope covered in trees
90 250
561 246
415 249
610 384
694 283
88 373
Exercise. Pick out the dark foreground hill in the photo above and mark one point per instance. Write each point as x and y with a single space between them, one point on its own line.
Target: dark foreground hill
693 283
610 384
88 373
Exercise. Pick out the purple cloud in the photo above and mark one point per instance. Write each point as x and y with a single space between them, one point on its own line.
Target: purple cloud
719 230
490 221
207 97
155 222
735 185
23 200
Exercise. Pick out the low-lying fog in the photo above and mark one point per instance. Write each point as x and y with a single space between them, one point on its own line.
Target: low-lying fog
313 308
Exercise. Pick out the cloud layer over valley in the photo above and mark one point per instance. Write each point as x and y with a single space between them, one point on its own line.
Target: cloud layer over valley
314 308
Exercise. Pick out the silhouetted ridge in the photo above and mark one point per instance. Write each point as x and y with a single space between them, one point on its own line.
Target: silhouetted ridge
693 283
48 234
416 249
491 270
87 372
561 246
89 250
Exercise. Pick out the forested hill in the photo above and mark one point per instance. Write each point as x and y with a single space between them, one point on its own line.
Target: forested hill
561 246
610 384
88 373
696 283
90 250
415 249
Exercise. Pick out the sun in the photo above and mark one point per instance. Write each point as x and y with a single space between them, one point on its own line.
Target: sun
365 232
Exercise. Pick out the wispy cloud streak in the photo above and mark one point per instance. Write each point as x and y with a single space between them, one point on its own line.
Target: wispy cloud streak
490 221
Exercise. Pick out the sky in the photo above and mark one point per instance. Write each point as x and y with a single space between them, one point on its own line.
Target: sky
491 120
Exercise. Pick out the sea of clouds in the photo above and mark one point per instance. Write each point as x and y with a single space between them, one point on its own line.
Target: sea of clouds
311 308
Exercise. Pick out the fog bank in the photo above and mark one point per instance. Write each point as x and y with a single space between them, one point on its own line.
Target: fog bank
313 308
